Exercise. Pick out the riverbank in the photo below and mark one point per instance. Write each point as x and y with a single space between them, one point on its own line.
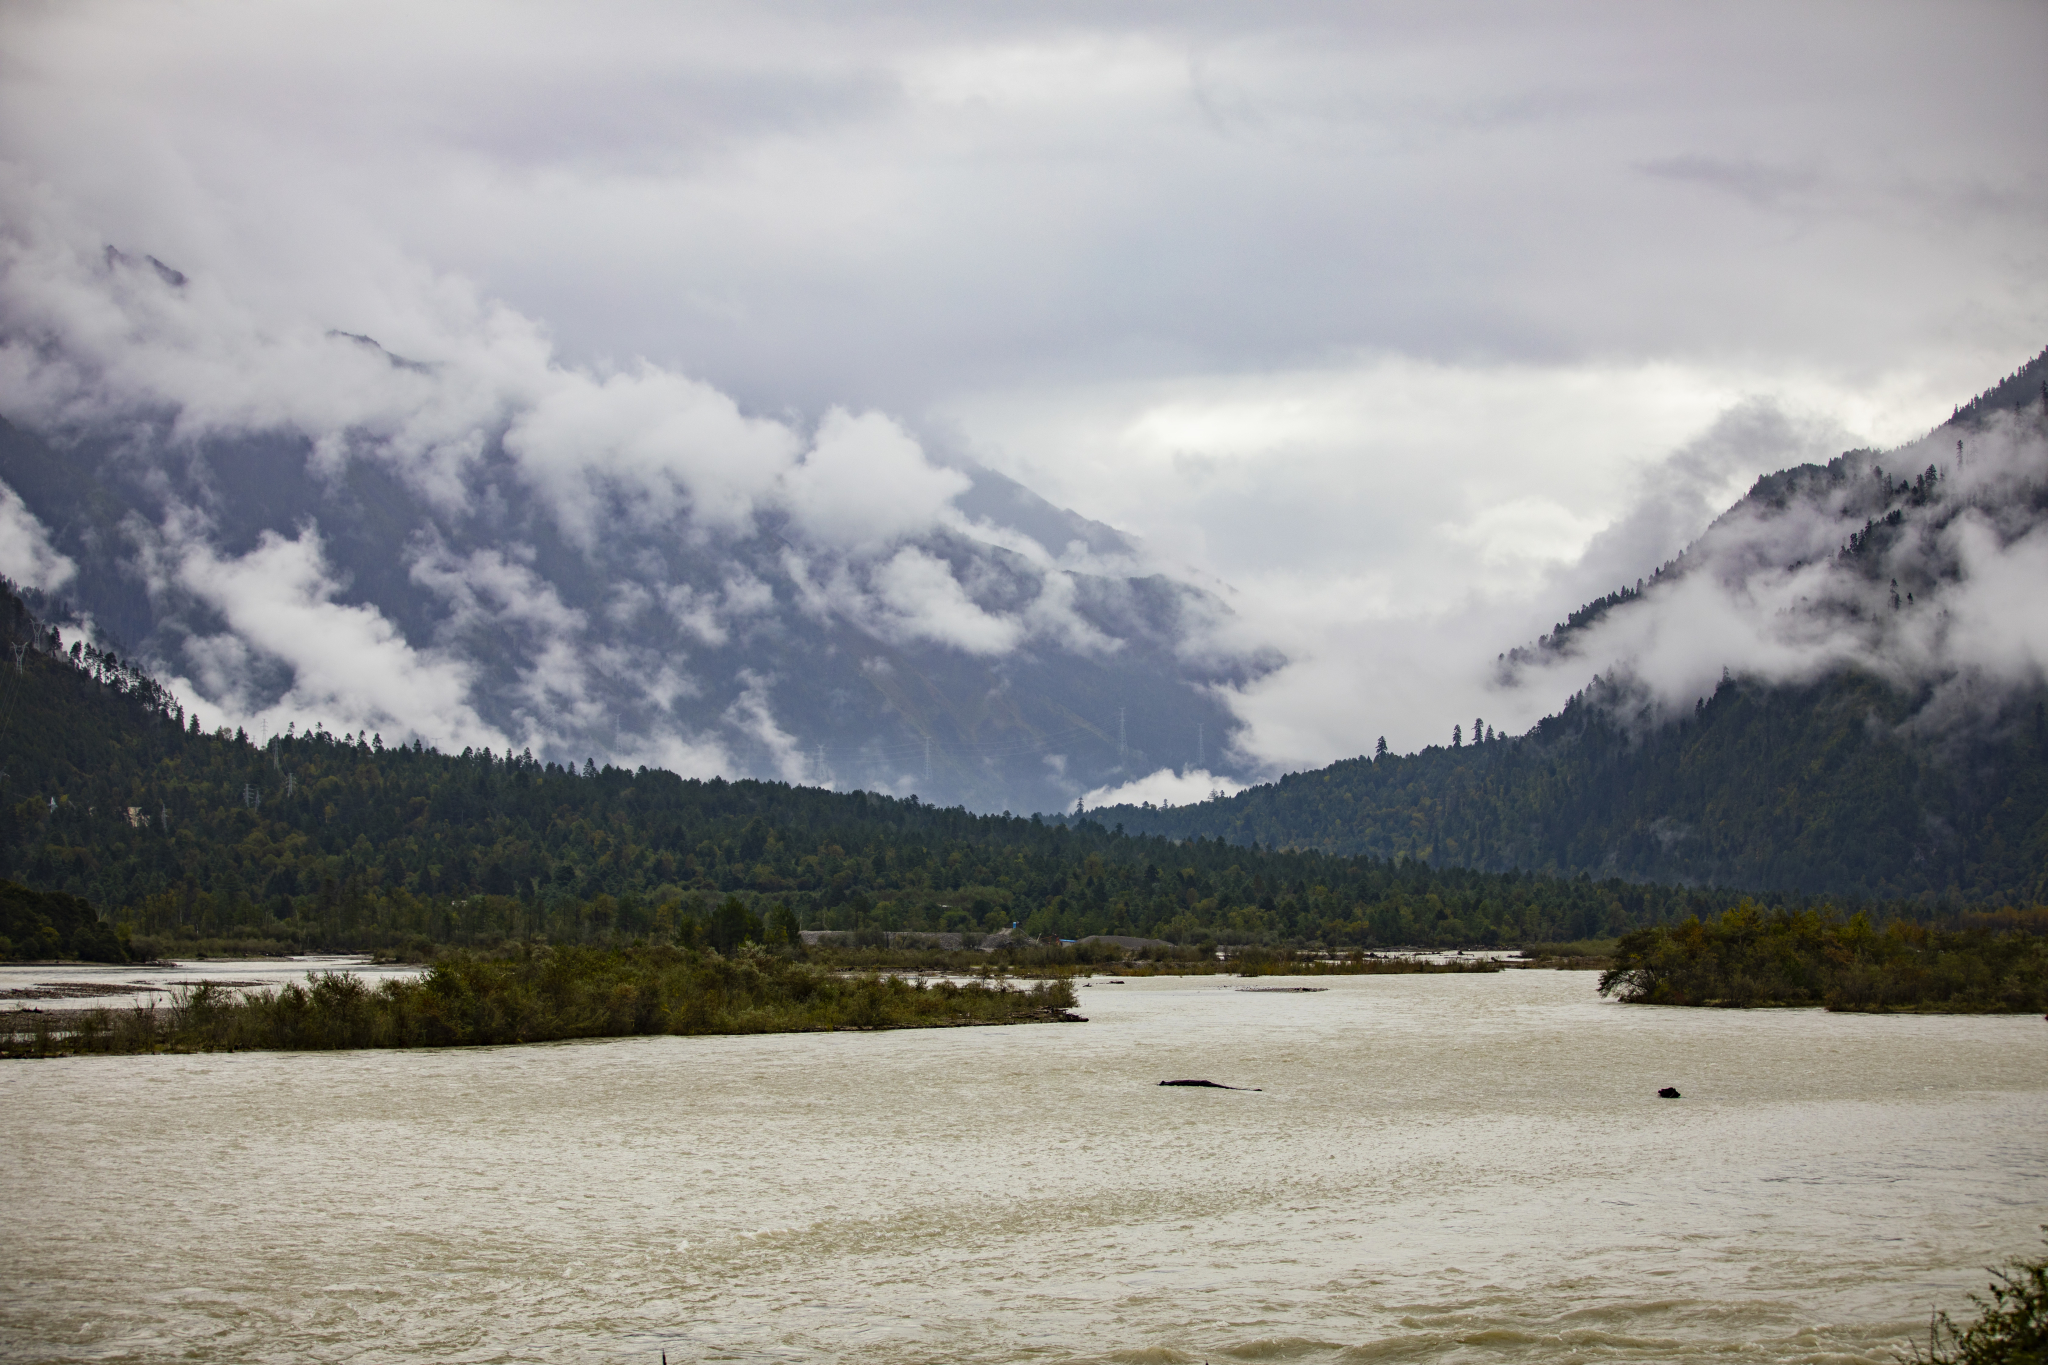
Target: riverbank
539 995
1747 958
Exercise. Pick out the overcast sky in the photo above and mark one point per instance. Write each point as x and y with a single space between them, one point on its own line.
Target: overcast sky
1414 324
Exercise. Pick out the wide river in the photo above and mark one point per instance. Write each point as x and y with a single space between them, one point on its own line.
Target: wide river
1433 1168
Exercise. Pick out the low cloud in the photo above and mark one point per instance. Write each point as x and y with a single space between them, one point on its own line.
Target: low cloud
753 714
648 446
650 477
866 483
499 607
1401 643
1166 787
26 554
346 666
1929 582
1366 318
93 342
923 601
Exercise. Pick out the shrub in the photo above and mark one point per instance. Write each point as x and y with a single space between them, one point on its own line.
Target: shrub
2011 1327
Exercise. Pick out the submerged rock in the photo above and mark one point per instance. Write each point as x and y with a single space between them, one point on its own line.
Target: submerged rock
1669 1092
1211 1085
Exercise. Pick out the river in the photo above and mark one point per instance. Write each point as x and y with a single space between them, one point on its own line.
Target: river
1468 1168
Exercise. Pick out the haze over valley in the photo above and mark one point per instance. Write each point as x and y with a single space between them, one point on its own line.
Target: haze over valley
671 436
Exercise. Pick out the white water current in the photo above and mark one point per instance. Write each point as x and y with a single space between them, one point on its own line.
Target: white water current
1435 1168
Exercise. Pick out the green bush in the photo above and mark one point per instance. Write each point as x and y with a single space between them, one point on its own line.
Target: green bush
2012 1324
1747 957
544 994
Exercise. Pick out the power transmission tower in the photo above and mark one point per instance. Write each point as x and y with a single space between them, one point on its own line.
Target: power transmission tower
927 758
1201 748
1119 738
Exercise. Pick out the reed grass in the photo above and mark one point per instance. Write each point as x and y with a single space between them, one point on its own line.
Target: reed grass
544 994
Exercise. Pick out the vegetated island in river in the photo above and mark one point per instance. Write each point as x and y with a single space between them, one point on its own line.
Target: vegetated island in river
545 994
1993 963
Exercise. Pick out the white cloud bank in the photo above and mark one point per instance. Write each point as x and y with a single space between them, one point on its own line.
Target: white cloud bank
26 554
1387 315
98 342
1165 787
1943 601
346 663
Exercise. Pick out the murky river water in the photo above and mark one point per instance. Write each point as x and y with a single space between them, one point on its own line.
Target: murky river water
84 985
1436 1168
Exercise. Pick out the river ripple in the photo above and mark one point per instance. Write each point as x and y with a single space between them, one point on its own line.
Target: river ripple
1436 1168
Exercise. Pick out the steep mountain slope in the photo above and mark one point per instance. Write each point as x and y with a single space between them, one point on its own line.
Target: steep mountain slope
483 548
321 840
1838 688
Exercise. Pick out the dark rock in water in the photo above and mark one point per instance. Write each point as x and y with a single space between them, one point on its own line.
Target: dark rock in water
1669 1092
1210 1085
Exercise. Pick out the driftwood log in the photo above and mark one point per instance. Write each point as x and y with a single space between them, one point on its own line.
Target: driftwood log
1210 1085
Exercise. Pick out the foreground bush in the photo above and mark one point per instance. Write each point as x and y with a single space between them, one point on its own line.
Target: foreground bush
2012 1327
545 994
1745 957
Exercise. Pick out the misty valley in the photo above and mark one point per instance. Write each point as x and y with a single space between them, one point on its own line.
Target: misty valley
506 854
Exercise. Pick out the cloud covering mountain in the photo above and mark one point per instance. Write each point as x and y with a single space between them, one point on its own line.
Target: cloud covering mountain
1417 327
475 544
1921 566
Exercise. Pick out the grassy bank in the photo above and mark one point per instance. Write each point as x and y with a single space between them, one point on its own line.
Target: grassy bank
546 994
1581 955
1748 958
1029 958
1284 964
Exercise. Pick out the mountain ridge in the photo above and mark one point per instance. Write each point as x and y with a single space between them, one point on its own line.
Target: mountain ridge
139 827
496 550
1882 758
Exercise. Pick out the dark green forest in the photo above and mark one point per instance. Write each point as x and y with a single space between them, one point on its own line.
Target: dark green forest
1987 964
1791 790
1778 789
178 833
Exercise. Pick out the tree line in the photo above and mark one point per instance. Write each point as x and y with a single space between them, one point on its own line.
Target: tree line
1989 964
1793 791
172 832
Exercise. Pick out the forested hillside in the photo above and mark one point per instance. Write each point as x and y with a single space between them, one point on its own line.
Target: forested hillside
114 795
1880 728
1782 789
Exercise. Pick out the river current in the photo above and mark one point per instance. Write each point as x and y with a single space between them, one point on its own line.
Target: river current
1433 1168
